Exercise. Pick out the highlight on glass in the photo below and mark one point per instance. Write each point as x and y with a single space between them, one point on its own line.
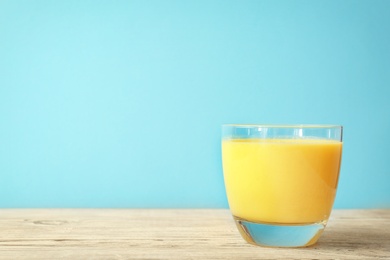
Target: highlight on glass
281 180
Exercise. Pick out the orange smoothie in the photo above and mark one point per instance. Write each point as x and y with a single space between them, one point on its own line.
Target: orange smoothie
285 181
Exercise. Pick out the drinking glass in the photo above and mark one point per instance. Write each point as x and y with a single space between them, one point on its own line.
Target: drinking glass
281 180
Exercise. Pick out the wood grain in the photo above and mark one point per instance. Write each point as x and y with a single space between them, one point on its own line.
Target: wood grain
175 234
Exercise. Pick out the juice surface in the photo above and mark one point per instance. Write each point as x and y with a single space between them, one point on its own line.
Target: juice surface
281 180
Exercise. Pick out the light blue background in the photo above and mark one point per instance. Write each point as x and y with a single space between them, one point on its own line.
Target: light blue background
120 103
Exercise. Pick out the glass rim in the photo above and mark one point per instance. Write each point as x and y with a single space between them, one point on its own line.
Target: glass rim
282 125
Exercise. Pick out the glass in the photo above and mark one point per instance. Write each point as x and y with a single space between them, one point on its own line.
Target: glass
281 180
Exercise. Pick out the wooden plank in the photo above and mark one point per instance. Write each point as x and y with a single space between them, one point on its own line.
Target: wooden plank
175 234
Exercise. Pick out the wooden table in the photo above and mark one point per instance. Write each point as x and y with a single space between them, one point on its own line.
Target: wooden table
175 234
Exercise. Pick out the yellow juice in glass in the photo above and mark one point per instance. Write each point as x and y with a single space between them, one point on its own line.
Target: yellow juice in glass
281 181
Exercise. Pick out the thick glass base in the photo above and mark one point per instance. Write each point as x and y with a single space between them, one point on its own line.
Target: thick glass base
280 235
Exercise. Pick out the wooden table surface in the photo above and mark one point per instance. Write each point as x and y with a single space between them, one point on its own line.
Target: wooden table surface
176 234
